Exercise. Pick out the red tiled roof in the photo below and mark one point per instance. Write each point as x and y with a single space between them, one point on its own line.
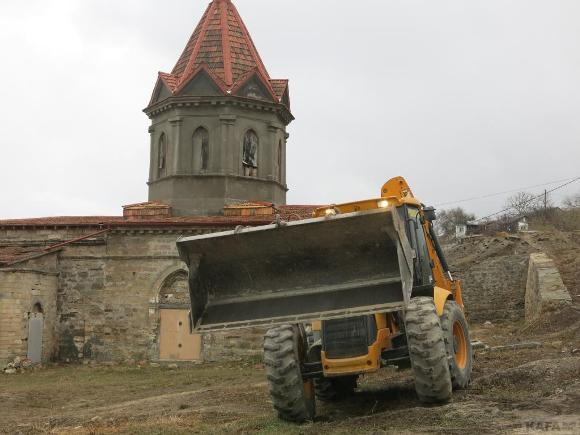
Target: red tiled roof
170 81
11 254
221 45
62 221
250 204
279 86
148 204
287 212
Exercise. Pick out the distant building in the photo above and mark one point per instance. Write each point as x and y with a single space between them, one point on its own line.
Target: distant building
471 228
476 227
523 224
460 231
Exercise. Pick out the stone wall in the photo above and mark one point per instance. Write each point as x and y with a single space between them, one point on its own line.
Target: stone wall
493 271
545 290
109 295
21 288
102 296
494 289
42 236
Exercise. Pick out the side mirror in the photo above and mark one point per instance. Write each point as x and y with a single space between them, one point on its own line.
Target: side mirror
430 214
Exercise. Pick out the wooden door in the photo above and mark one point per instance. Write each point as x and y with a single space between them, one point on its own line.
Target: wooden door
175 341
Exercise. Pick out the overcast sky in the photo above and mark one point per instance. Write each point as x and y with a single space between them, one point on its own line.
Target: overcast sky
464 98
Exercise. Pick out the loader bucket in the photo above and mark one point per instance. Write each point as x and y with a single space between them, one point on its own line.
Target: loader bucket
323 268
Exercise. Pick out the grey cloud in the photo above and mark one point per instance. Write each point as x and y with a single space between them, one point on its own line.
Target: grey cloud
462 97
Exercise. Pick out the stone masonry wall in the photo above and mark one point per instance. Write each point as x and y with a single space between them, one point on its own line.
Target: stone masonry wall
41 237
545 290
20 290
109 298
107 292
493 272
494 289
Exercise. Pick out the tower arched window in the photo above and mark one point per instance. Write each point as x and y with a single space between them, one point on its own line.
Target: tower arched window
162 156
201 149
250 154
280 160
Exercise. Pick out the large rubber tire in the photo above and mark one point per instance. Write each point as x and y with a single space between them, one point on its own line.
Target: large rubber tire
457 344
334 389
427 351
292 397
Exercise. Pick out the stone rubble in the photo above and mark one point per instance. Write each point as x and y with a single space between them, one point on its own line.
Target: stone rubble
18 364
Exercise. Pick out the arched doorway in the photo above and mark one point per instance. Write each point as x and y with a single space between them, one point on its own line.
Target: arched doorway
176 342
35 331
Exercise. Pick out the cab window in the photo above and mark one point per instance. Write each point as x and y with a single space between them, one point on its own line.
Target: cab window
421 262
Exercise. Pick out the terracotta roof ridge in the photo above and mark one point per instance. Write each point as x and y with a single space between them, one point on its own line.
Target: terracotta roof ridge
222 40
253 48
203 22
198 43
62 217
226 47
169 79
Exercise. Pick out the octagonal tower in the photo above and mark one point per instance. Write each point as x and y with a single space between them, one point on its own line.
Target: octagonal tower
218 122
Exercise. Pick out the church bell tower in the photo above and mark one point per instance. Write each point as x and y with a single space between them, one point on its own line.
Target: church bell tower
218 122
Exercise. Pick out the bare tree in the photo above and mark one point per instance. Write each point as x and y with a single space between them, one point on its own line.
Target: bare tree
448 219
572 201
524 203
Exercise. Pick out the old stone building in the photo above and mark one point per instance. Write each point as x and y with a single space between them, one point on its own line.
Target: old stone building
113 288
218 132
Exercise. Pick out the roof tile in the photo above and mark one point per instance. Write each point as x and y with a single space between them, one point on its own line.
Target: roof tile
221 43
290 212
10 254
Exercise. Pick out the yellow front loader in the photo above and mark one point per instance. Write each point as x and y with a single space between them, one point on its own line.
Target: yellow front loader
360 286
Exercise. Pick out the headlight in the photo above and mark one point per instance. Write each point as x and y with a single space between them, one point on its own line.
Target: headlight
383 203
330 212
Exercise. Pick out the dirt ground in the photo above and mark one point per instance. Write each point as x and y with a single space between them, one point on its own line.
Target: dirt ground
532 387
513 391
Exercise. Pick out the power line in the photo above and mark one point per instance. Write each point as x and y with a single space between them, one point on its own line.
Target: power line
530 200
491 195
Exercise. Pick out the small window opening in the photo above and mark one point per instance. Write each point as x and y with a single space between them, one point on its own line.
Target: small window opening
280 160
250 154
162 156
201 147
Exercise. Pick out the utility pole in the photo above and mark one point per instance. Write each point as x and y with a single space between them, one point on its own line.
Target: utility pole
545 204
